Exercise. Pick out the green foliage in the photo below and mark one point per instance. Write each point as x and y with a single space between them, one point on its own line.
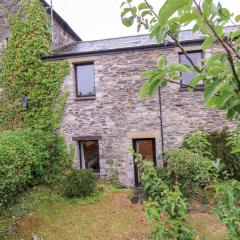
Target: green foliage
79 183
220 72
222 145
190 170
234 141
27 158
24 74
199 144
228 207
152 184
163 201
114 172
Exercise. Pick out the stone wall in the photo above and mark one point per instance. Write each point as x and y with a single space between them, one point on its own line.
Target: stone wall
61 35
118 114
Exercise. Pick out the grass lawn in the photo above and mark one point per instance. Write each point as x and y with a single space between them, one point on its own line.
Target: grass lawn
107 215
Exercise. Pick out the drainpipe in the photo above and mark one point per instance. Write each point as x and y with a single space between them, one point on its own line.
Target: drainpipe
52 20
161 123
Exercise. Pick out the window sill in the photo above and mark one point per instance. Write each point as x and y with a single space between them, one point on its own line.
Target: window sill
85 98
196 89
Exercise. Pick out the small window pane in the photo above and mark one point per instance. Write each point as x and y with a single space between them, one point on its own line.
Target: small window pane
85 80
196 58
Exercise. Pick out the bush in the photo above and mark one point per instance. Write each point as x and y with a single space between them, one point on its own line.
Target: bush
228 206
79 183
188 169
222 149
164 200
198 143
27 158
217 145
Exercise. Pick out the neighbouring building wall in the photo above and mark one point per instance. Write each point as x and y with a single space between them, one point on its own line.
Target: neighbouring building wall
61 34
6 7
119 115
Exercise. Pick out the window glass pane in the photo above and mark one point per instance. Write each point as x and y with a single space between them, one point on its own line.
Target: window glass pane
196 58
89 155
85 80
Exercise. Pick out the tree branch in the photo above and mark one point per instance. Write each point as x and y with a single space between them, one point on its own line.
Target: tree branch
176 41
223 43
179 83
184 52
151 8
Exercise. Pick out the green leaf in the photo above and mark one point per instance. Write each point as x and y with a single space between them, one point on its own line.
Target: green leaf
187 18
194 82
122 4
128 22
142 6
154 83
225 14
237 18
219 30
169 8
125 11
214 58
145 13
161 62
160 34
207 5
144 89
179 68
223 99
211 90
207 43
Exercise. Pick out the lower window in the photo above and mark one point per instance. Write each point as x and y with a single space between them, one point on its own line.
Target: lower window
89 155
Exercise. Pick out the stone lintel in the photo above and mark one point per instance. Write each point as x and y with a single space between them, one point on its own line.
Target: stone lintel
143 134
87 138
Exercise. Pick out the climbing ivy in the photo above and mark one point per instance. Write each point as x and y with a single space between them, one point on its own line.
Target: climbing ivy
24 74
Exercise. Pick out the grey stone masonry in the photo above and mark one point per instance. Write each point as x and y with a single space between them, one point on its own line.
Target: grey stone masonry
119 115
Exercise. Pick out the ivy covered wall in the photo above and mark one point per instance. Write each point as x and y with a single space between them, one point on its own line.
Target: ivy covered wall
24 75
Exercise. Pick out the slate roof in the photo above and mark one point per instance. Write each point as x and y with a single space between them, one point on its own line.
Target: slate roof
122 44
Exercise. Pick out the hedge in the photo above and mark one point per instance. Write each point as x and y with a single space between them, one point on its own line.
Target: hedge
27 158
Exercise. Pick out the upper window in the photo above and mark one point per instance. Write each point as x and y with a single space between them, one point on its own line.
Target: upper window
196 57
85 80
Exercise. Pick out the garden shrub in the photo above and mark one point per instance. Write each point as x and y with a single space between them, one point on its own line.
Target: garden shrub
27 158
166 201
217 145
79 183
190 170
198 143
222 148
227 209
152 183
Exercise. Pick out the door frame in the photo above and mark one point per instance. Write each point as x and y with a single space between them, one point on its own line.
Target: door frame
134 142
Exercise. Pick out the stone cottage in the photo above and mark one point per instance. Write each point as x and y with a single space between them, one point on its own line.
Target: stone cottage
104 114
63 33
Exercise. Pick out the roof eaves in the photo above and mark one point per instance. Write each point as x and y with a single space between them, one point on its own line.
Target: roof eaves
66 55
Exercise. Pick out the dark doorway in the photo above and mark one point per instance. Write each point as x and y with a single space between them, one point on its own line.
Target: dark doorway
89 155
147 148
